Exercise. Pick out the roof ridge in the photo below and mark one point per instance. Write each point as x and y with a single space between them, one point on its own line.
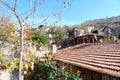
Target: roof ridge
87 44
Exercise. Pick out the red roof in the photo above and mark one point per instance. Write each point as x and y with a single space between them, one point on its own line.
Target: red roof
103 58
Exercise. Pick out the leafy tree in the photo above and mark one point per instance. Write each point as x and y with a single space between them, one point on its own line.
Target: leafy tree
39 38
58 34
8 31
67 29
83 26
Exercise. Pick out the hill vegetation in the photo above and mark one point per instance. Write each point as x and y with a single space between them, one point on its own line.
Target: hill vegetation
106 20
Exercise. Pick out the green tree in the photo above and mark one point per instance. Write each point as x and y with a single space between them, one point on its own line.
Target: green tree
83 26
58 34
39 38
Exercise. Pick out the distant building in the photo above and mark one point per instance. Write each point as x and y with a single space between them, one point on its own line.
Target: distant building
76 32
81 38
112 32
115 31
90 27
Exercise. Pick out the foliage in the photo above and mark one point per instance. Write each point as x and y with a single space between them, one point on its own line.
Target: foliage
9 65
48 71
29 63
2 58
7 56
45 69
27 33
58 34
31 73
12 65
8 41
83 26
8 30
69 76
39 38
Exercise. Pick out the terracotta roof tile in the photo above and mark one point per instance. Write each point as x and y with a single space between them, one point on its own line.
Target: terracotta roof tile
103 58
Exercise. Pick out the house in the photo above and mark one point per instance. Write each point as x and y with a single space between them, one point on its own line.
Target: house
76 32
94 61
111 32
90 27
84 38
115 31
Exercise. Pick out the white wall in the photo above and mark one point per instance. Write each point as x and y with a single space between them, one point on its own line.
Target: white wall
9 75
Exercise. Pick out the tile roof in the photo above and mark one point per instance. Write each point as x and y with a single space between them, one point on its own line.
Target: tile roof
103 58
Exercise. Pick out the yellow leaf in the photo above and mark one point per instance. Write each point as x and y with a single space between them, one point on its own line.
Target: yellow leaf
32 63
32 50
26 66
25 72
32 67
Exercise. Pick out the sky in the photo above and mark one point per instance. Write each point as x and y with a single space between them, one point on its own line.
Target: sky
79 11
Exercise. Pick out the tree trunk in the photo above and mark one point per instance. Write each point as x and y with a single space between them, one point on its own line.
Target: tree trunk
21 54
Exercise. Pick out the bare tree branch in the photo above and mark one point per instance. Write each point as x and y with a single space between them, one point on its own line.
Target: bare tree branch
36 7
59 19
63 5
15 4
13 10
6 5
47 18
30 5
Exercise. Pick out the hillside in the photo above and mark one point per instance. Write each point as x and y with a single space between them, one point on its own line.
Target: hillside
104 20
